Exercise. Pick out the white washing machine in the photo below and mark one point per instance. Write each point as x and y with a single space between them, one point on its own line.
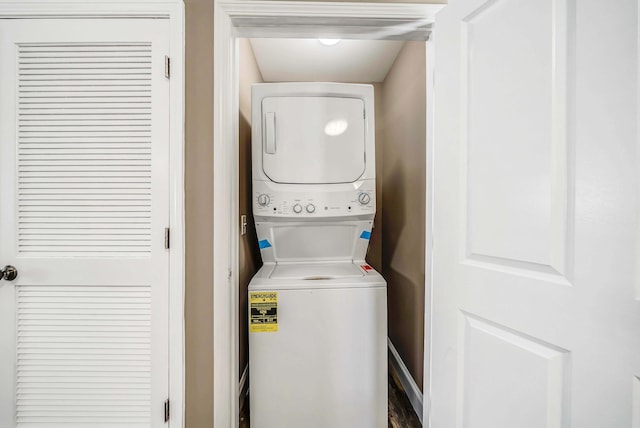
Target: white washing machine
317 310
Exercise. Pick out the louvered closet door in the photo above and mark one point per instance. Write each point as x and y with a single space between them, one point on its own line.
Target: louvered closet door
84 202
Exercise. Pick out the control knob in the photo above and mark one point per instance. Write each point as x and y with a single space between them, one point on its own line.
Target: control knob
311 208
297 208
364 198
263 200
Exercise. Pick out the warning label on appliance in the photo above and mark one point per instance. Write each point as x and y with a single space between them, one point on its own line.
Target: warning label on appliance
366 268
263 311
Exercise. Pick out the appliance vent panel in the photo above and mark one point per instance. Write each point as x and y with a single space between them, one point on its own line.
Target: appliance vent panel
83 356
84 149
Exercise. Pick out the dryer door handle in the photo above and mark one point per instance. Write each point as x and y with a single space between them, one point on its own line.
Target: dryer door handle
270 133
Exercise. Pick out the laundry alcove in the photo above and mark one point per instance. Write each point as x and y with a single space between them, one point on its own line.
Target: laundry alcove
397 71
402 64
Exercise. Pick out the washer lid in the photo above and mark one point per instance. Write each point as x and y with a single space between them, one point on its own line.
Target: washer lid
316 271
313 140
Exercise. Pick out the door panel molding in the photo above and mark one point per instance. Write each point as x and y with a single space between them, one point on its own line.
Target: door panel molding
541 366
548 251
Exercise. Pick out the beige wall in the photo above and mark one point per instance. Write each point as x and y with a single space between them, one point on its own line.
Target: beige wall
199 214
248 252
403 202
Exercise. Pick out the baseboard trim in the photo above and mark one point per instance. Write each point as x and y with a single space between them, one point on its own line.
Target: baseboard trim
408 384
243 387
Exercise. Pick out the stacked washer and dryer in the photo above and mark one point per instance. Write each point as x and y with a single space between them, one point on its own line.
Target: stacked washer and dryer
317 310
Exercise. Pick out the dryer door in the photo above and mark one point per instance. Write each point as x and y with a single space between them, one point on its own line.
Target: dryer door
313 140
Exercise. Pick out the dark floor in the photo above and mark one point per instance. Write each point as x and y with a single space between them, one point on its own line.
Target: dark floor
401 414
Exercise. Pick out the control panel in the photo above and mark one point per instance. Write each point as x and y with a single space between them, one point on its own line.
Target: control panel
353 200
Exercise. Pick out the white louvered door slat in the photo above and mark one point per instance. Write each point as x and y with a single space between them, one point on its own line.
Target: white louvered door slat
54 104
84 186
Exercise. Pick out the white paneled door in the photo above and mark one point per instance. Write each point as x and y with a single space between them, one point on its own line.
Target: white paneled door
84 191
536 301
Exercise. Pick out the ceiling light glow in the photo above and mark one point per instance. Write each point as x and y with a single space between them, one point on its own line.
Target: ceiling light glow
329 42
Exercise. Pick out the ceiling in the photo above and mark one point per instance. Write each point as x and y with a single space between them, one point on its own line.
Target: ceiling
300 60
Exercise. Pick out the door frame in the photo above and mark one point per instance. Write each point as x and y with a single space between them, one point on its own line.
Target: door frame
269 18
174 11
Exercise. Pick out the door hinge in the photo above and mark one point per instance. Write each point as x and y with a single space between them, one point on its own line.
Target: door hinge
167 238
167 411
167 67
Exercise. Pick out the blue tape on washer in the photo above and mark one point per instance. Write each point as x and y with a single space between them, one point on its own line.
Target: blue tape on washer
264 244
365 234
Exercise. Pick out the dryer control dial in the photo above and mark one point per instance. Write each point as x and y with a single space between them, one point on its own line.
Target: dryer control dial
297 208
311 208
364 198
263 200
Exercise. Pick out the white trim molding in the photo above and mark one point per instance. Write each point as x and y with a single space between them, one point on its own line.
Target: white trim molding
270 18
428 250
92 9
409 385
225 207
174 11
324 19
